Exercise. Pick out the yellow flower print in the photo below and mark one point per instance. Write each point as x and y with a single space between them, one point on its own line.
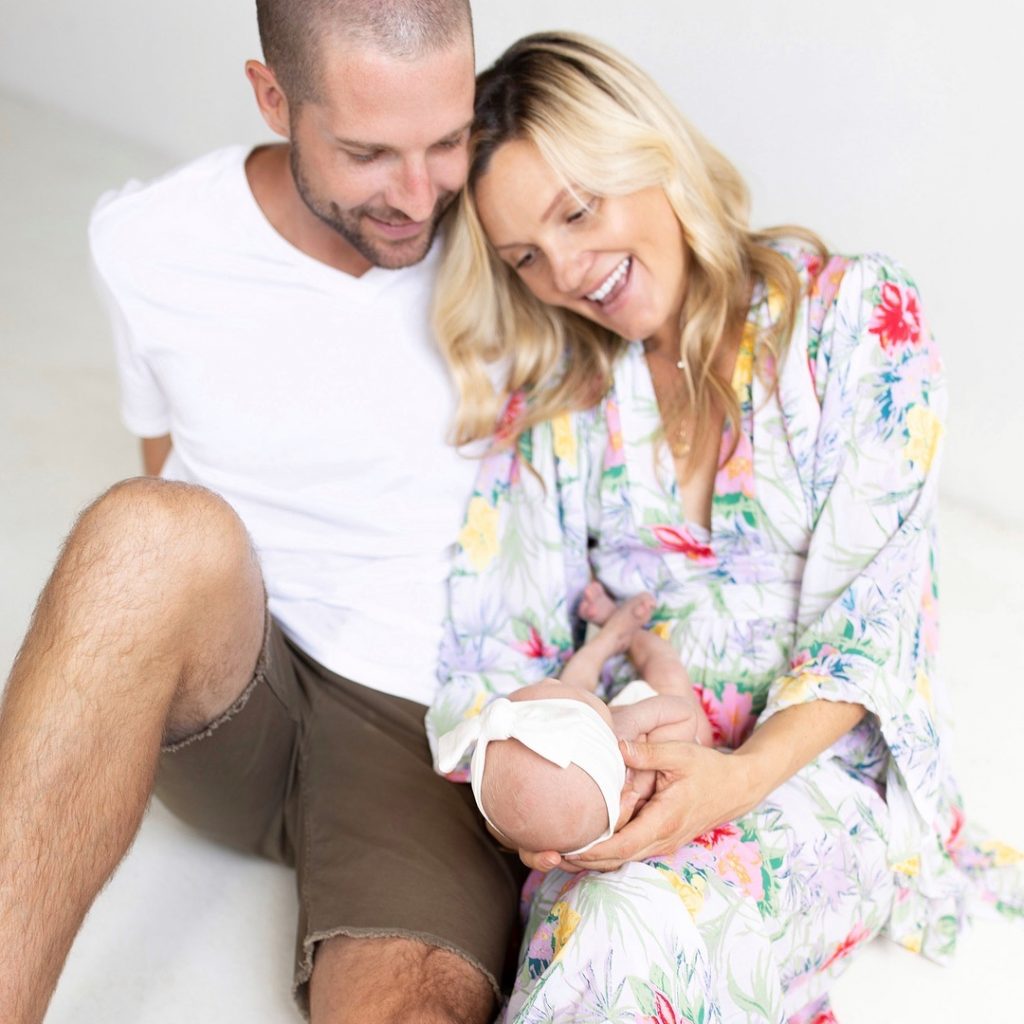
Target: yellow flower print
911 866
564 438
925 431
691 893
662 629
796 689
923 686
913 942
479 537
477 706
1003 854
775 302
567 919
743 371
738 465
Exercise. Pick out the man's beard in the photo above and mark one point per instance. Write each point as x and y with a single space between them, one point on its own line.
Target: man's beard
349 223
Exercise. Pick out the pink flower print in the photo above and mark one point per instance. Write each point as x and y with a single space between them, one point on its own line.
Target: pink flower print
530 887
739 863
513 410
720 834
730 715
614 455
897 318
680 540
954 839
854 939
664 1012
737 475
534 646
706 699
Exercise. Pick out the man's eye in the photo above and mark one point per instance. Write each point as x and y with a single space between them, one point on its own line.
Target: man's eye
363 158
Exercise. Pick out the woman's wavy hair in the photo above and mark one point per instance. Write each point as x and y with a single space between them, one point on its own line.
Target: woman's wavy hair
607 130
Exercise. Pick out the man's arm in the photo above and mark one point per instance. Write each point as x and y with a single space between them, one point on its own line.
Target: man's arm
154 453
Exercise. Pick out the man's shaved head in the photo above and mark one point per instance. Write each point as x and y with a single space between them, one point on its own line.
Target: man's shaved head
293 33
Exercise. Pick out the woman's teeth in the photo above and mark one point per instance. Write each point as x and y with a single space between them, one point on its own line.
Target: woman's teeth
600 294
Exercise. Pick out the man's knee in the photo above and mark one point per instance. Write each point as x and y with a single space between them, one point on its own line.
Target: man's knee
373 981
144 531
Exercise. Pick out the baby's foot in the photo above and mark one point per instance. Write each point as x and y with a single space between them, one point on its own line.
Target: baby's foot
626 621
596 604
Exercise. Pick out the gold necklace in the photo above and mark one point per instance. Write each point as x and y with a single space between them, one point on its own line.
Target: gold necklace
677 435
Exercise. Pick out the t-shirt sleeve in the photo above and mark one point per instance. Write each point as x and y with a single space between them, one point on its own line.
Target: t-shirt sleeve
143 405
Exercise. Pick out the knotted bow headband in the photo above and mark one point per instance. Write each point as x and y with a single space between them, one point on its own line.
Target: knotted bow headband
562 731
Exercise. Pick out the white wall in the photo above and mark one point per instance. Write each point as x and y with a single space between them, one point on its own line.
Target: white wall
881 125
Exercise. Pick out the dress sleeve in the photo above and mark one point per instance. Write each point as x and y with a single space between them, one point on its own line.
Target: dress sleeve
520 567
866 620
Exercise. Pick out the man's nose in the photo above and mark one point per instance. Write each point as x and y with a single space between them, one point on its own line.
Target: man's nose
412 190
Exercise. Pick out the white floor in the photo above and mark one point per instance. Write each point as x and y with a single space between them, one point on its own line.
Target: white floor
188 931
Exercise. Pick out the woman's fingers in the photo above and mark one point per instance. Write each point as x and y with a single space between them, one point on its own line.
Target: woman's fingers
662 757
545 860
652 831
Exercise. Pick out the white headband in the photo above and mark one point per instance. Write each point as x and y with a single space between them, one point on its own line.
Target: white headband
562 731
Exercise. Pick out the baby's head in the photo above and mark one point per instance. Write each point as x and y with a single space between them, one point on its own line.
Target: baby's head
536 804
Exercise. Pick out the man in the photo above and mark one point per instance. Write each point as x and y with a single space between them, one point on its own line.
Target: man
271 315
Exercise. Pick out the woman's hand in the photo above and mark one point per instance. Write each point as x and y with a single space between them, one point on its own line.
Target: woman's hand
696 788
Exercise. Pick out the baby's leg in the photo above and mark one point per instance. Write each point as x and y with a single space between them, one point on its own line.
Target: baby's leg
620 629
596 604
657 663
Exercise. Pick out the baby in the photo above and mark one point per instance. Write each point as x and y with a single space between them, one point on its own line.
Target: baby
547 773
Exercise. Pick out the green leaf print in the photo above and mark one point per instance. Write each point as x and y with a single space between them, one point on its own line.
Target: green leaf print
642 994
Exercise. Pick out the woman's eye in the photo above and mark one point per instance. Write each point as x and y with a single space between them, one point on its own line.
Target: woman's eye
582 212
524 261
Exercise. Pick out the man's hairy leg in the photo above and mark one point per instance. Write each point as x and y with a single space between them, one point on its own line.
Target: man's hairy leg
378 981
149 627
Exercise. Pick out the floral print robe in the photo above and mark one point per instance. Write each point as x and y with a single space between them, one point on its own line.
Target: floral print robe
815 581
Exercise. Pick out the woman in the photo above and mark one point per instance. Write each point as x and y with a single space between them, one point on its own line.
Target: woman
747 429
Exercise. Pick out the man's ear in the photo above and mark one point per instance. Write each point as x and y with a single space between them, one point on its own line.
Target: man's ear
270 97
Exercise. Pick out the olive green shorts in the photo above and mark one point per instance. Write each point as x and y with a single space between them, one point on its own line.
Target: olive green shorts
335 779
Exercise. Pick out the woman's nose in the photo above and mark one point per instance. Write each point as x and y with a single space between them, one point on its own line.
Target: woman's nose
567 270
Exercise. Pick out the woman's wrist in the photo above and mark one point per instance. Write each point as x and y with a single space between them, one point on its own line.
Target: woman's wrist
778 748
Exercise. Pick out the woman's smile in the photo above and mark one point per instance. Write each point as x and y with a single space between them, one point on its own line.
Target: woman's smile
618 260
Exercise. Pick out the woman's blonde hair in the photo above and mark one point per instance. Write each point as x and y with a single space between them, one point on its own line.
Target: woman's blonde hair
607 130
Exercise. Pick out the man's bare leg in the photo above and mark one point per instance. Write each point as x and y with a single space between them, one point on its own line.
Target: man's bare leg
149 627
377 981
619 625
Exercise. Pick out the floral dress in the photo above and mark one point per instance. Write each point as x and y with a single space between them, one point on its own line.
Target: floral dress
816 581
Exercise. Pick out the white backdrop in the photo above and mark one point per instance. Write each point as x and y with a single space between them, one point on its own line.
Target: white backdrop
881 125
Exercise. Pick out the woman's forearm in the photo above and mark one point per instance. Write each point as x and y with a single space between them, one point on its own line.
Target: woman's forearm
792 738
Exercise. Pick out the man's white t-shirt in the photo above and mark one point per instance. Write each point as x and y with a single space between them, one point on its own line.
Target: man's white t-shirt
314 402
